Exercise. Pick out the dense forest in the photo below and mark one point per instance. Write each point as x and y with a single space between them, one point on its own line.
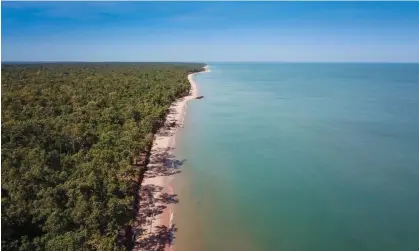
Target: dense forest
68 135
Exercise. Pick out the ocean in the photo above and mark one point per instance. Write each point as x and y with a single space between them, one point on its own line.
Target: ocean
301 157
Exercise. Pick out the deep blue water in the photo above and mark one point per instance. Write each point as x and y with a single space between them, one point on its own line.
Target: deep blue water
302 157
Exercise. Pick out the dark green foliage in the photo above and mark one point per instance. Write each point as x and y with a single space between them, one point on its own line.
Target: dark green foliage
68 135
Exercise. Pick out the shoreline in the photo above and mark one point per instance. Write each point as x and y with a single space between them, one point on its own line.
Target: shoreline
156 184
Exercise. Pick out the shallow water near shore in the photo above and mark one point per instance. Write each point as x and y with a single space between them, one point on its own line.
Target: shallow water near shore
302 157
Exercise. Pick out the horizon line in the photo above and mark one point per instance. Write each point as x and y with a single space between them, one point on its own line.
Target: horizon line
206 62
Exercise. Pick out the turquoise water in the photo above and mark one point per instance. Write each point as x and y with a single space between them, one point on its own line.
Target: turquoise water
301 157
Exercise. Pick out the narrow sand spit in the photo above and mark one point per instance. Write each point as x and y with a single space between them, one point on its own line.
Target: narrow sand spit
156 193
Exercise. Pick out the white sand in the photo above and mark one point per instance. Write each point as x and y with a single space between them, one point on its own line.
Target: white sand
164 142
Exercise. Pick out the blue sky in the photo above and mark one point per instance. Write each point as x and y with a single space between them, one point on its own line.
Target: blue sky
210 31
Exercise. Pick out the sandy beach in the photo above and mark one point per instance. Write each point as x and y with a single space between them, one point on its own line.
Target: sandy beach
156 193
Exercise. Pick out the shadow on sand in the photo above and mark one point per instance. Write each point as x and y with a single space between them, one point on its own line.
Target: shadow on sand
163 163
152 202
157 241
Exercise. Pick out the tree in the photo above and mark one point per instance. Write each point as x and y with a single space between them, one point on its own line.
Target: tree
68 133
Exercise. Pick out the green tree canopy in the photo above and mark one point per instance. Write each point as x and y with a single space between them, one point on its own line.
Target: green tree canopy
68 135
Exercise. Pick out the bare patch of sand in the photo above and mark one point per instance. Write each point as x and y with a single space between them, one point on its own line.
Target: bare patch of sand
156 193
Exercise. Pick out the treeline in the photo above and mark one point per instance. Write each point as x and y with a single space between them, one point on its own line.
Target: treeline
68 134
